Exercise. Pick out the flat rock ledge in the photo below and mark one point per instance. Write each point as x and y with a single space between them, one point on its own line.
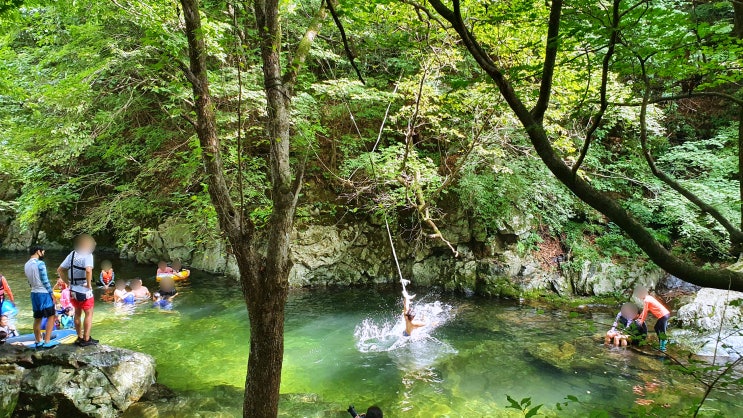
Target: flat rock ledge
69 381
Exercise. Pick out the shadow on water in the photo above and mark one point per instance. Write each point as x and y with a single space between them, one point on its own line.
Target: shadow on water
346 346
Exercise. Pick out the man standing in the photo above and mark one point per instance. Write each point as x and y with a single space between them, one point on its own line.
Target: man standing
77 270
42 299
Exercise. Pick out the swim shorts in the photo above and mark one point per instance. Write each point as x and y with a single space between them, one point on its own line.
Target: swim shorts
85 305
42 305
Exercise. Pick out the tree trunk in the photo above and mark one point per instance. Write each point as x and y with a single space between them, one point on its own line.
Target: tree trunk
264 280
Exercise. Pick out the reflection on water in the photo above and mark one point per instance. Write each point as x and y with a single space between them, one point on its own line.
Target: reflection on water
343 346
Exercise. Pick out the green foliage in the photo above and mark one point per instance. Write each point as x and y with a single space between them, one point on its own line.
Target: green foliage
94 130
524 406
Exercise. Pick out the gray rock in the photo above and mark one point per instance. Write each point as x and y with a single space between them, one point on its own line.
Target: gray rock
11 376
97 381
711 308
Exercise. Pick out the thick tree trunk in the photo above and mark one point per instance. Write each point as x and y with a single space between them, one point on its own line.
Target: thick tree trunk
264 280
738 18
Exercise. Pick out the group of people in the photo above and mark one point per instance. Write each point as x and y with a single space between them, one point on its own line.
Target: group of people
75 293
630 326
70 302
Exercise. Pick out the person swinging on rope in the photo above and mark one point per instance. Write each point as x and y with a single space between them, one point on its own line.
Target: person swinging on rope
408 313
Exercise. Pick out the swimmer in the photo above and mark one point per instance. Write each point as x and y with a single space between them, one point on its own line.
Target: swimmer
409 315
123 294
140 292
179 270
372 412
159 302
167 288
162 268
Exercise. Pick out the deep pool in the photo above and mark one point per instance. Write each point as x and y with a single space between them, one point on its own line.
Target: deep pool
486 350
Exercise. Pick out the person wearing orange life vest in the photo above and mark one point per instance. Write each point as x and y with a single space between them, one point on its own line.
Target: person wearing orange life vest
107 276
653 305
5 292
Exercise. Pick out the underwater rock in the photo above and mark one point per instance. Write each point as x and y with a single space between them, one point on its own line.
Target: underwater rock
580 354
68 381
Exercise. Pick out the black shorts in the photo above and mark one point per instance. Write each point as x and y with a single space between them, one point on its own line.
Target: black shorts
45 313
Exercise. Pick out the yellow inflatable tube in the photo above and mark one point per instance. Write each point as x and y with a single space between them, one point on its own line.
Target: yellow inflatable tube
182 275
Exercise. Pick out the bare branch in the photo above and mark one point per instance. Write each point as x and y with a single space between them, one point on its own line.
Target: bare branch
613 39
550 57
346 47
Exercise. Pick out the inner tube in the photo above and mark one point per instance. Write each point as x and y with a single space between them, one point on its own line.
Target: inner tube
182 275
9 308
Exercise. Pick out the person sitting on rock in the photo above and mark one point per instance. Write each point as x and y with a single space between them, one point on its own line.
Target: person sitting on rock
140 292
5 292
107 277
66 318
631 331
653 305
162 268
5 327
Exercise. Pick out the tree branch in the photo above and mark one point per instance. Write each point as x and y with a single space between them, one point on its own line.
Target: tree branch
346 47
690 95
303 48
719 278
736 236
613 39
550 57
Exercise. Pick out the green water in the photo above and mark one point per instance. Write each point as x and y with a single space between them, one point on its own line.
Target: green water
465 369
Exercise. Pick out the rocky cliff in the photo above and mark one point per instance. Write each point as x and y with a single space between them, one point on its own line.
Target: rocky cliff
358 253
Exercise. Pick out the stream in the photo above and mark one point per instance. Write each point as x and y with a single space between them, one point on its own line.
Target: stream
342 348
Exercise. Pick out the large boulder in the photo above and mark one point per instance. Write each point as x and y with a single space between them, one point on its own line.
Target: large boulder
711 308
67 381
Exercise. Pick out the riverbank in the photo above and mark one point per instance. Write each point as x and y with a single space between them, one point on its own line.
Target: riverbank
489 349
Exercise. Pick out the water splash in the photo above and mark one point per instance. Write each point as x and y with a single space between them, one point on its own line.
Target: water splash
374 336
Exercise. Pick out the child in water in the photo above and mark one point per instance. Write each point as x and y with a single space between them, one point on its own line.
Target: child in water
178 270
631 330
653 305
162 303
107 276
162 268
140 292
123 294
167 288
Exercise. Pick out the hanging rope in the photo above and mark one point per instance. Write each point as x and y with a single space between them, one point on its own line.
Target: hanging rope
376 185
